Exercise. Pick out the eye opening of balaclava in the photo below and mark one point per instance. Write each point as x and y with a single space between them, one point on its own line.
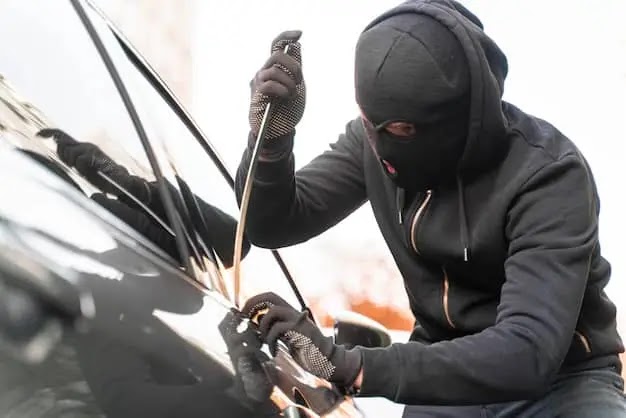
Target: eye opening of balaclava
411 71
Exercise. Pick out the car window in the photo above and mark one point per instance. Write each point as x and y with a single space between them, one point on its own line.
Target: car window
62 74
59 105
182 158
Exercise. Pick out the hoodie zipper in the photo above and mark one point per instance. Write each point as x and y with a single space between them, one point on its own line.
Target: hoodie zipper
416 218
413 237
446 298
584 341
446 282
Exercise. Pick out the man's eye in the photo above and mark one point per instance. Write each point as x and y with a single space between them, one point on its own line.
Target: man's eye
402 129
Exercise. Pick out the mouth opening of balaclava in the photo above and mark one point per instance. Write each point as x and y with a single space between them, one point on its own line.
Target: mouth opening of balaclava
411 70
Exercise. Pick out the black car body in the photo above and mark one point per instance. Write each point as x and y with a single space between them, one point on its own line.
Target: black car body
95 320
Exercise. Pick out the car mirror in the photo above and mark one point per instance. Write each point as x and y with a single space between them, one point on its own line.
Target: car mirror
352 329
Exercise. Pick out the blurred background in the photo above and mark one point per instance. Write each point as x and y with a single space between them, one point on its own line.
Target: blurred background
567 61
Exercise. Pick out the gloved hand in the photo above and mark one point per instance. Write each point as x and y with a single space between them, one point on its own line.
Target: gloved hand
140 222
280 81
312 350
88 159
244 350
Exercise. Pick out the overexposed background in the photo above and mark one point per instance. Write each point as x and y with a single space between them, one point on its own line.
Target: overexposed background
567 61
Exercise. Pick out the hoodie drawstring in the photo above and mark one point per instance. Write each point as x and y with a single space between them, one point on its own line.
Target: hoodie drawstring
463 220
400 194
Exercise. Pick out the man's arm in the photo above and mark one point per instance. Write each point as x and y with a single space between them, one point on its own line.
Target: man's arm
552 230
288 207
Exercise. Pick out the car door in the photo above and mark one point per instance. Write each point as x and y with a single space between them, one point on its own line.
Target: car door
95 320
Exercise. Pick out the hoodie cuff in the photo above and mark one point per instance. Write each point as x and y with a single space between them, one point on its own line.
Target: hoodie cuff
381 373
275 158
348 364
273 149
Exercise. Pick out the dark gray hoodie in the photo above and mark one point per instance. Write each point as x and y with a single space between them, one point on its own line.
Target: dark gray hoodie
502 266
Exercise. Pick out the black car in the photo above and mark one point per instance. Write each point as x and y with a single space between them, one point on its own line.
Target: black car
96 318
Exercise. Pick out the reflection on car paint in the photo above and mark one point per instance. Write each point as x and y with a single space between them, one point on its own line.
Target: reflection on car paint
24 111
70 258
125 333
193 329
36 205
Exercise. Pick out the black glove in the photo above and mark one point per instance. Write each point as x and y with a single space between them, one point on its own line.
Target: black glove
315 352
88 159
281 79
140 222
244 350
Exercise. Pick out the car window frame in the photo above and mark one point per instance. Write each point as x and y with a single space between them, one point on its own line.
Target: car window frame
199 260
172 214
172 101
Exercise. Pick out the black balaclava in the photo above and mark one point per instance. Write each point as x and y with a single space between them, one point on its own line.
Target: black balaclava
411 68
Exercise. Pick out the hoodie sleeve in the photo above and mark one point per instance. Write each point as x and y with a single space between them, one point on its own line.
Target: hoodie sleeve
288 207
552 231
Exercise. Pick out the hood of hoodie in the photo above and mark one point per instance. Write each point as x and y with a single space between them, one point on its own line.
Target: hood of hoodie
486 126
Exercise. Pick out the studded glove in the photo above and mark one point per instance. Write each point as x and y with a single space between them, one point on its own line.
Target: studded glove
315 352
280 81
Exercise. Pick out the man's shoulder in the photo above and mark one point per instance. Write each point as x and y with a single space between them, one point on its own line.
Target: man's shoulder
535 145
538 136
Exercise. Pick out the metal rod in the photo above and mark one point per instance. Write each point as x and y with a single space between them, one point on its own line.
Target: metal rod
245 199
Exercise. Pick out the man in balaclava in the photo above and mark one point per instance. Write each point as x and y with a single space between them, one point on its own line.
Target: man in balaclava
416 125
491 215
